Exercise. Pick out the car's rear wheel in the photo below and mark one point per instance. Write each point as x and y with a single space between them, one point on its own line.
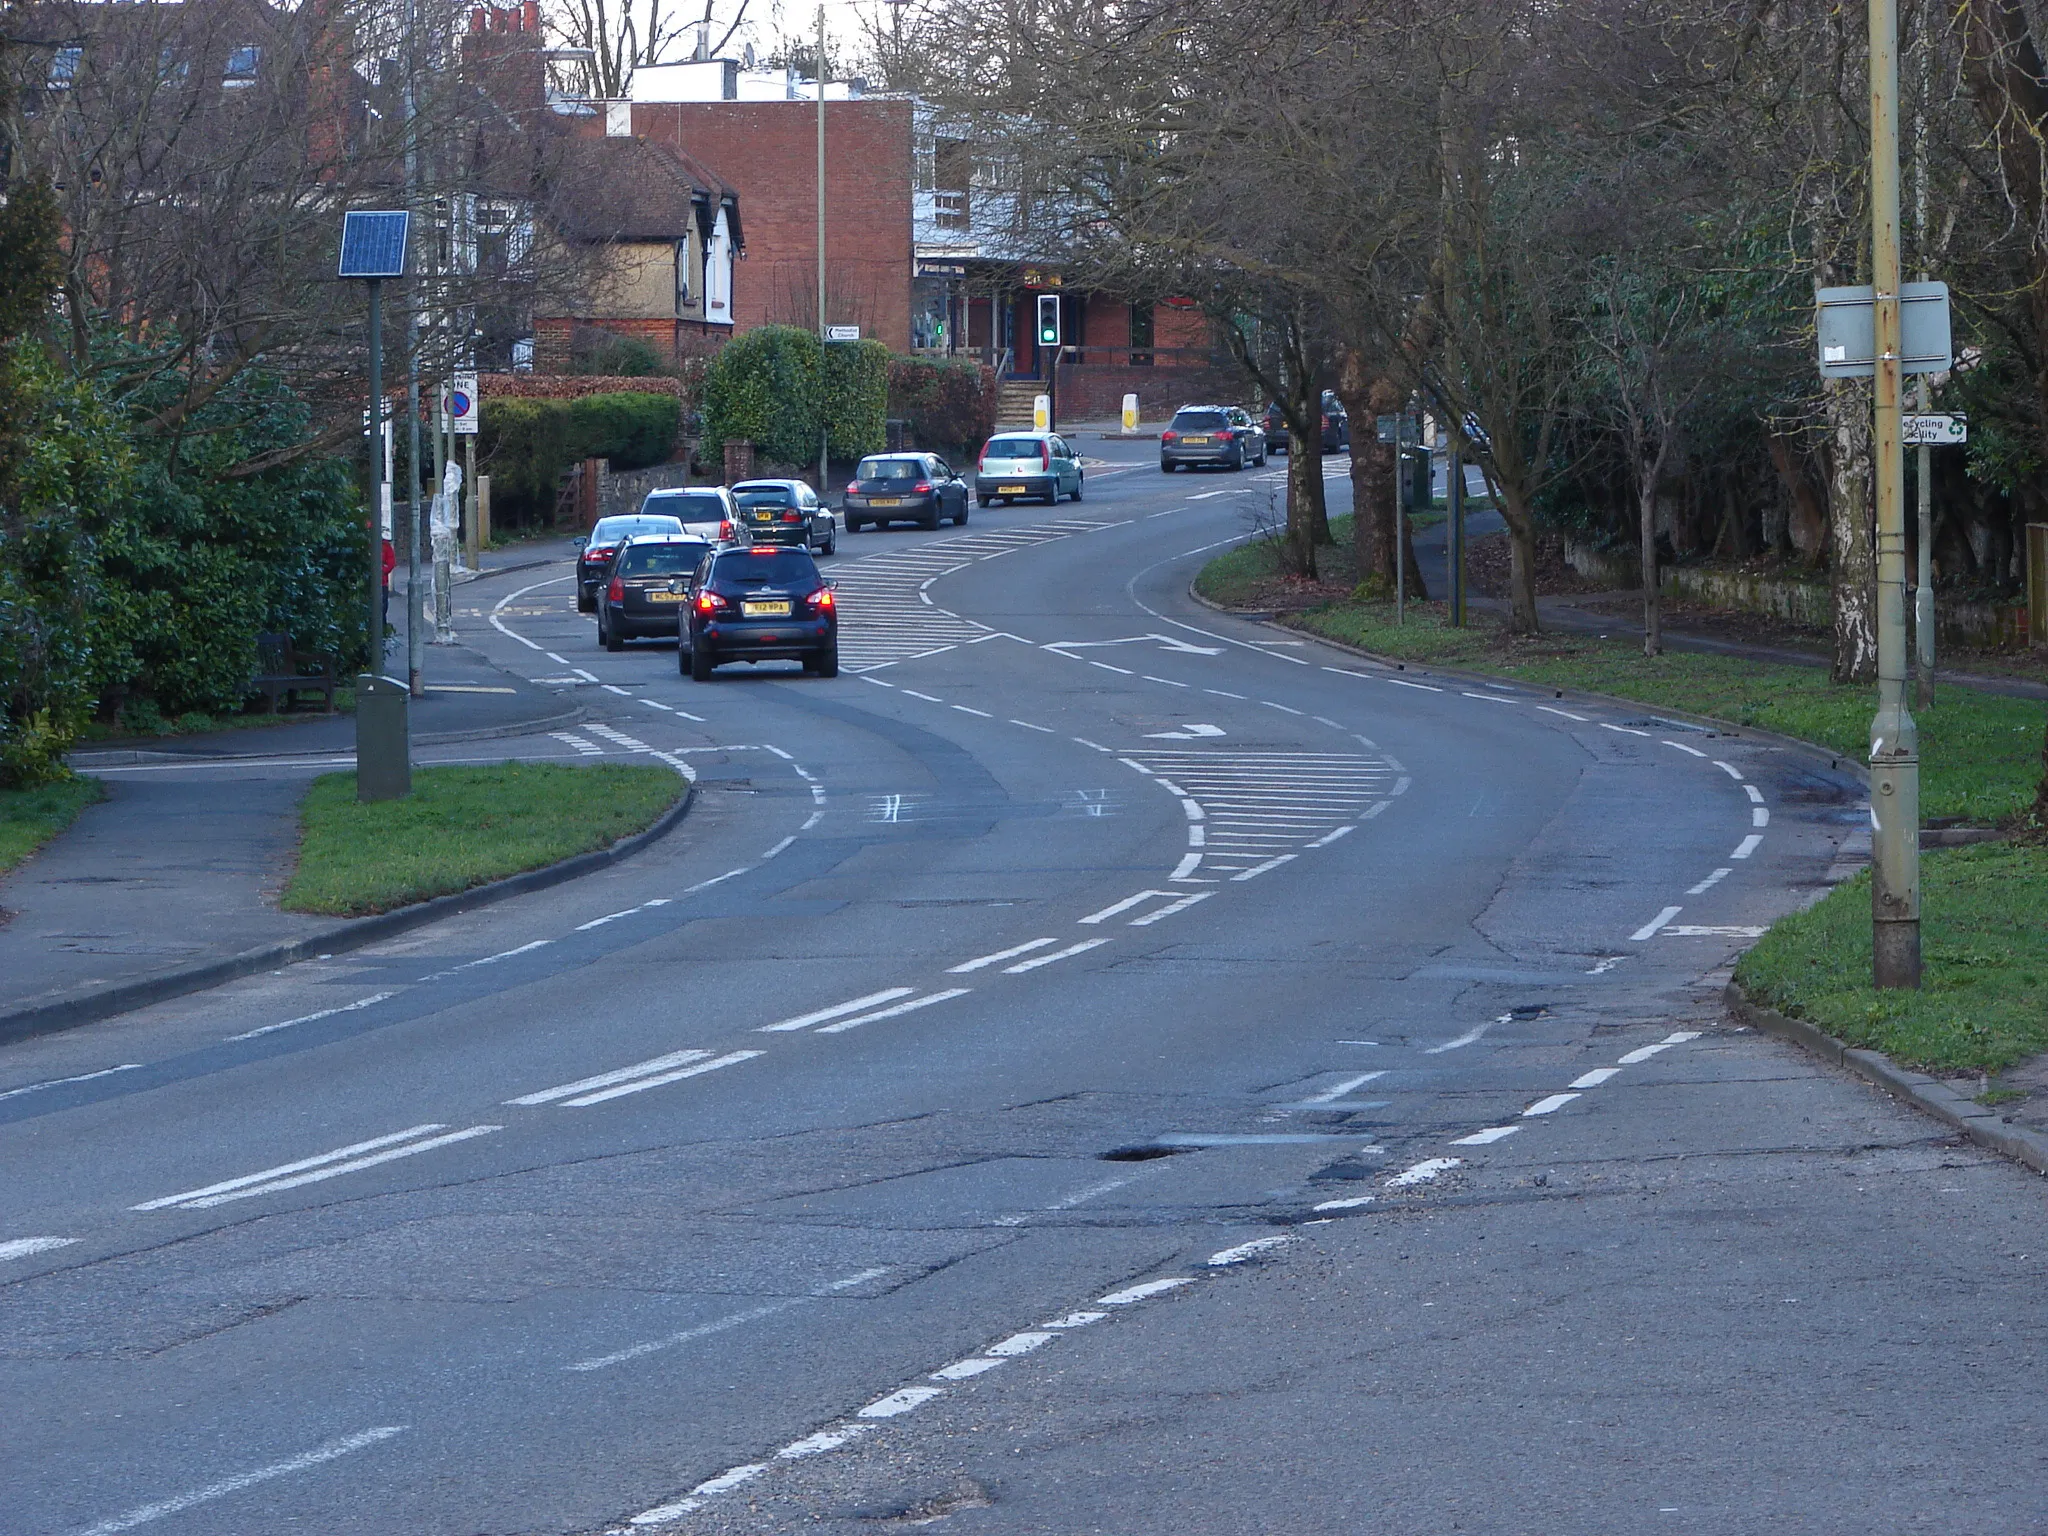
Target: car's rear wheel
613 640
1077 487
823 662
853 524
985 502
586 604
960 517
832 541
701 663
1165 468
930 521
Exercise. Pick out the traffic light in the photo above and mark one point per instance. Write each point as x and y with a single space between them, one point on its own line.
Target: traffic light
1048 319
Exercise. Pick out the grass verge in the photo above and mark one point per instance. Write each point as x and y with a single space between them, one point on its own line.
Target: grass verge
1984 1002
1979 752
462 827
29 818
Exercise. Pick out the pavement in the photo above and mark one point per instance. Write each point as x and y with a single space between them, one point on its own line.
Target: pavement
1095 1065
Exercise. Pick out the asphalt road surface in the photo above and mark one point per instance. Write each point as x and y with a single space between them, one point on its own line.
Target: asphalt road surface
1094 1066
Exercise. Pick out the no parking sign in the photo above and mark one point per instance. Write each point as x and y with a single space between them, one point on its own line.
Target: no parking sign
461 403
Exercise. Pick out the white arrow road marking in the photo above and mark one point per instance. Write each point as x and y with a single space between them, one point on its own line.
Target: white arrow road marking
1165 642
1185 733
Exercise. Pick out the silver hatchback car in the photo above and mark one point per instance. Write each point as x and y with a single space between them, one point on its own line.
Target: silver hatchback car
1015 465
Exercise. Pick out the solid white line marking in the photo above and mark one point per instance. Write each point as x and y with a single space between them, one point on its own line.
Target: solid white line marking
317 1161
355 1165
1018 1344
1645 1052
705 885
837 1010
1330 837
86 1077
1189 863
1134 1293
731 1059
1550 1105
688 1335
251 1034
607 1079
1259 869
1424 1171
22 1247
1000 955
902 1401
1595 1078
333 1450
1328 1095
609 917
1355 1201
1486 1137
1746 847
1730 769
961 1370
1059 954
1244 1251
1649 929
1125 905
1167 911
1695 751
1565 712
1759 817
1715 878
901 1008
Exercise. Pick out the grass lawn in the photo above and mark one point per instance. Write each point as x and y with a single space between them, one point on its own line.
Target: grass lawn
31 817
1984 1002
1980 752
462 827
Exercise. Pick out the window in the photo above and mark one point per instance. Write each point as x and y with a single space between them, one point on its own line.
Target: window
241 67
1199 421
1142 334
662 559
609 530
1014 448
682 278
170 68
766 563
64 68
718 272
890 469
691 506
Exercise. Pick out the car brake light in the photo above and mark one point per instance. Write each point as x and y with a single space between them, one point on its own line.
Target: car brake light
790 517
709 602
1169 436
823 601
920 488
853 487
1226 436
616 592
1326 421
1045 455
603 552
725 528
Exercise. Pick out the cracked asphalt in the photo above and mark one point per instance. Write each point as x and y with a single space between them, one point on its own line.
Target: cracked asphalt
1094 1066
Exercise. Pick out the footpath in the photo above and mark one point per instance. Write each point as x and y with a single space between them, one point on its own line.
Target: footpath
175 874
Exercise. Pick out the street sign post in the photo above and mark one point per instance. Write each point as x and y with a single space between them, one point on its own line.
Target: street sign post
842 333
460 405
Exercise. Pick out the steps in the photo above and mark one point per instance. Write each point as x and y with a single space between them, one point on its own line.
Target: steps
1014 400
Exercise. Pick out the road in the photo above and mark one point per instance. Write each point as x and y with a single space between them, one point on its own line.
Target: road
1093 1066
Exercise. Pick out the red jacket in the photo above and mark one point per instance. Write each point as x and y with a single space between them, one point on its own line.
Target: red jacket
390 561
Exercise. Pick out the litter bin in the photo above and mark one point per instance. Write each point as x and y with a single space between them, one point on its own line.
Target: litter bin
383 739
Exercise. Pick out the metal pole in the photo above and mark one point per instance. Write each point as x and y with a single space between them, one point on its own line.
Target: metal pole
1400 534
1923 586
415 612
1454 511
824 426
375 663
1894 740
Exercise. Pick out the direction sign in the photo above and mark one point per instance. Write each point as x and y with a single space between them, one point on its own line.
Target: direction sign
1845 325
461 403
1935 431
842 333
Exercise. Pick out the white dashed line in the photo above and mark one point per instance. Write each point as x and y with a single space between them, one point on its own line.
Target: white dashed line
1486 1137
1133 1293
1649 930
22 1247
1759 817
1549 1105
1596 1077
997 958
1746 847
251 1034
1059 954
1425 687
1730 769
1564 712
1712 880
1645 1052
901 1401
1422 1172
332 1451
837 1010
1694 751
1244 1251
896 1012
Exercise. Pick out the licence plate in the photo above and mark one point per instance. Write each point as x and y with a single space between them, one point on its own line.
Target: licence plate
885 501
763 517
1194 439
663 597
765 610
1009 490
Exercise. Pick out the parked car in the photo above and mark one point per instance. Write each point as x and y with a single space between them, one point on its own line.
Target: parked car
646 587
595 557
706 511
1211 434
764 603
1017 464
1336 426
786 512
904 488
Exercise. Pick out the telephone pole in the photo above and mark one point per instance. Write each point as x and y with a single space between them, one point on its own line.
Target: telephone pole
1894 739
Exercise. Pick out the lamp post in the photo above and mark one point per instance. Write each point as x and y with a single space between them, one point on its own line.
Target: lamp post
824 428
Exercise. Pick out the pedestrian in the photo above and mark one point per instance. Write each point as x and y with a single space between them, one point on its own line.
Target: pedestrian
384 616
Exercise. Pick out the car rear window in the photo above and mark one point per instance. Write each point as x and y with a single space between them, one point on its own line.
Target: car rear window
764 565
610 530
662 559
1015 448
1199 421
773 496
889 469
692 506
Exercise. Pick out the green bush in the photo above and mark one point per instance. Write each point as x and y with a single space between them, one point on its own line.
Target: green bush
525 445
763 388
948 403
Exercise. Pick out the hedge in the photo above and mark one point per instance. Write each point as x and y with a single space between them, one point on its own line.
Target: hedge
948 403
526 444
763 388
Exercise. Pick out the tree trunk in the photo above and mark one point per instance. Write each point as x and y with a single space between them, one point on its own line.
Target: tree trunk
1851 549
1521 521
1806 524
1308 524
1653 594
1359 385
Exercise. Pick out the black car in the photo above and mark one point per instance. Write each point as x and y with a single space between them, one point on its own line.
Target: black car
764 603
646 587
904 488
1336 426
1211 434
786 512
595 557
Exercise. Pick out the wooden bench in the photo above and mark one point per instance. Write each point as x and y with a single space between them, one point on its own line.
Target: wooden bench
286 672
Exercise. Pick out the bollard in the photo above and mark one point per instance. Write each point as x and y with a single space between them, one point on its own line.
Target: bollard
383 739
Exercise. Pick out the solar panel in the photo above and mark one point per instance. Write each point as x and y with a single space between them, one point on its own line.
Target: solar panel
373 244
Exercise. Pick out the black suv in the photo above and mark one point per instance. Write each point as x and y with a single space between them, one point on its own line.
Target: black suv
764 603
1336 426
646 587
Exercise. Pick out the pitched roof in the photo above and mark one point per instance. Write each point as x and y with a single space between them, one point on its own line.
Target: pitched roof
628 189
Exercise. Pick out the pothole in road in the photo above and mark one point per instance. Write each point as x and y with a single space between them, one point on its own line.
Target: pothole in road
965 1494
1141 1154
